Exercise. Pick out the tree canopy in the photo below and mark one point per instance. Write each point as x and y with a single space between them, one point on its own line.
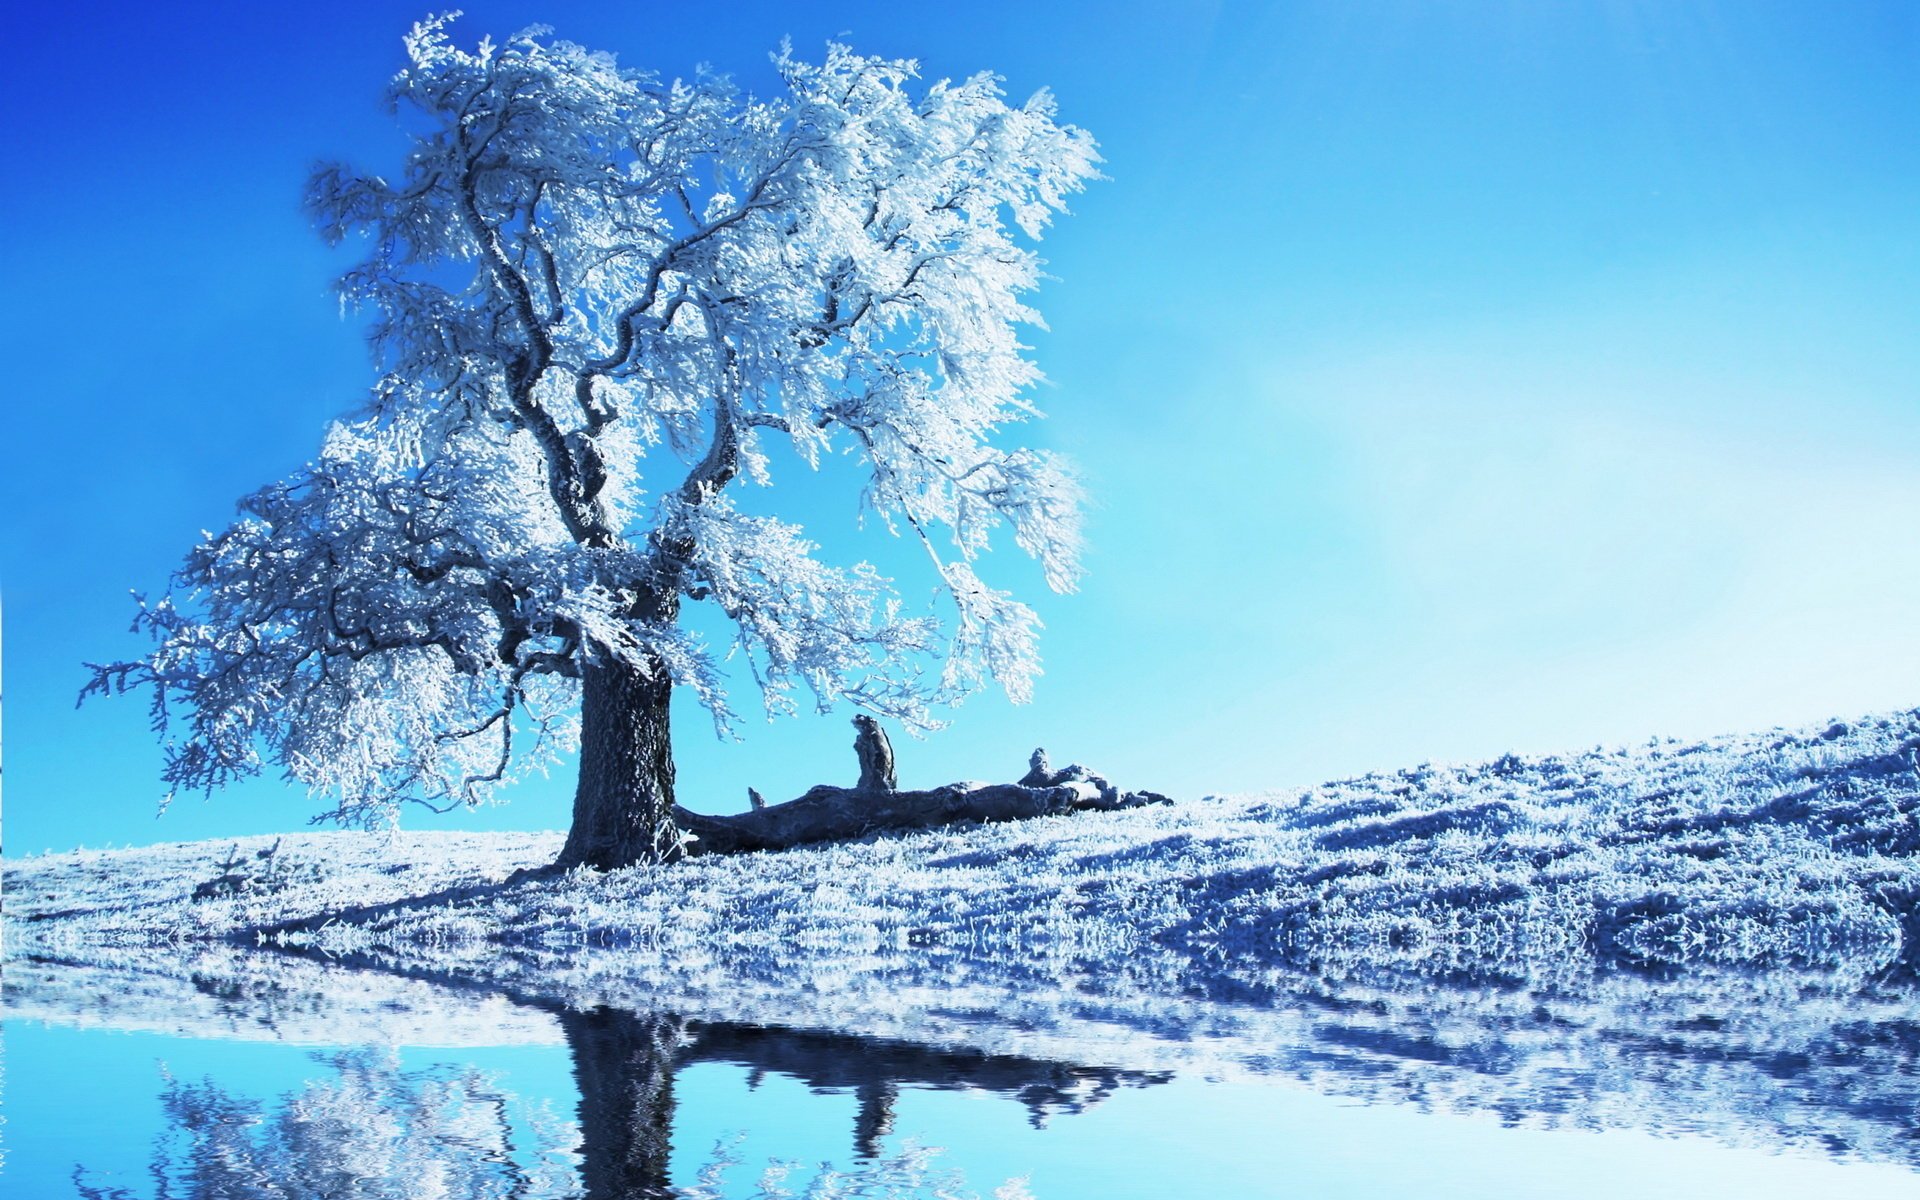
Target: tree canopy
601 304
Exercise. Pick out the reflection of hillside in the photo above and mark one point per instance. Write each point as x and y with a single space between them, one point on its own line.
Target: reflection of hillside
1784 1057
221 993
1776 1058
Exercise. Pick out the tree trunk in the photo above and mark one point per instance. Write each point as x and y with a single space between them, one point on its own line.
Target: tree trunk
623 803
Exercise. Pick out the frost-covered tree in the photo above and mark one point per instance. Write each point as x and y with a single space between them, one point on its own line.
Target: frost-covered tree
603 303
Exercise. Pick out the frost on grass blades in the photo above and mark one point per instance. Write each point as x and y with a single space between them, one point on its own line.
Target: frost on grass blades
1682 938
600 302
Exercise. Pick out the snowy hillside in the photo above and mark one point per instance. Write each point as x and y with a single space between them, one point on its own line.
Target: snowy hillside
1762 850
1715 936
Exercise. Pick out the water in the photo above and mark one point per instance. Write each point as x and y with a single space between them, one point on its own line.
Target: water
259 1076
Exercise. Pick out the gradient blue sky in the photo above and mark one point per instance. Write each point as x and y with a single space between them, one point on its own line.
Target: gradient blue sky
1451 379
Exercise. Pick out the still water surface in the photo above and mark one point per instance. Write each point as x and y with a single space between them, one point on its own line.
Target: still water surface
622 1102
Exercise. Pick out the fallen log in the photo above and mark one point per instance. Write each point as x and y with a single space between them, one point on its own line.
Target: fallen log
828 813
831 814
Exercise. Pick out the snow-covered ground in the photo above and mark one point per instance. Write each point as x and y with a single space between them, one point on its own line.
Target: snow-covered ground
1717 936
1760 850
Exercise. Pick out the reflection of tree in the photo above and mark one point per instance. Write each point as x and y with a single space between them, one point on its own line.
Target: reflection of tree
371 1129
624 1065
875 1119
873 1068
367 1129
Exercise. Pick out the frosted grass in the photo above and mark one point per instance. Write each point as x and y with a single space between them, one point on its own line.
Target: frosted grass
1711 937
1779 849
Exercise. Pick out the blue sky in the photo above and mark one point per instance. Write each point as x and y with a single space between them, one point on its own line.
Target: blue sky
1450 379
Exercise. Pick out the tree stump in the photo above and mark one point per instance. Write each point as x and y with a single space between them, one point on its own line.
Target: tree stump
875 752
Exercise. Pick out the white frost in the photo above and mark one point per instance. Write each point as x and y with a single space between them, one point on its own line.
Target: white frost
599 300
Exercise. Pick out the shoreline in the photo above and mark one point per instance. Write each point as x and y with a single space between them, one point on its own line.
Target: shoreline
1740 851
1460 936
1757 850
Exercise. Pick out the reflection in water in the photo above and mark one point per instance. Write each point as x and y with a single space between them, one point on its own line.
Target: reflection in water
874 1068
1800 1059
1808 1060
370 1128
366 1128
624 1064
